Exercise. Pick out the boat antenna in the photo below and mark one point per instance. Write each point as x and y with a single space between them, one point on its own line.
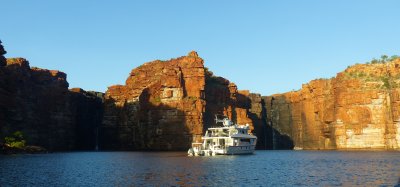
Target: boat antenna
218 120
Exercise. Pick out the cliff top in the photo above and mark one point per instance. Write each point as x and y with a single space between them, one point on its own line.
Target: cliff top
191 57
376 68
376 72
18 61
2 51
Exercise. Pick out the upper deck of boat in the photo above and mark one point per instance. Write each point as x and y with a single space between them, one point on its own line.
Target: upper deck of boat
229 127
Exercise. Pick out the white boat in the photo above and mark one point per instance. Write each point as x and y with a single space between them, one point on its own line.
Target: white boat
228 139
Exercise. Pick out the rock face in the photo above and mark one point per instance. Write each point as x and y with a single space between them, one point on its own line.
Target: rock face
358 109
38 103
33 101
3 60
160 107
87 107
242 107
165 105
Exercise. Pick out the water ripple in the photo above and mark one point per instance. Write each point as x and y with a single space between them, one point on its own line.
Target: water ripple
265 168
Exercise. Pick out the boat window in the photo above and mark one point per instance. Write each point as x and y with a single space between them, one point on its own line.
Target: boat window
222 142
245 140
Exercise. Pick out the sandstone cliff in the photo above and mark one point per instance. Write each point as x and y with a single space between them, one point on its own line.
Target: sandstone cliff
358 109
87 107
241 106
2 58
38 103
164 105
160 107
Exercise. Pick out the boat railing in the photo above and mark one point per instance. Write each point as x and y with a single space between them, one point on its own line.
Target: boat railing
217 147
217 135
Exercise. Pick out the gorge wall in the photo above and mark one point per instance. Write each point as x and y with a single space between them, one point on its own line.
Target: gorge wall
165 105
159 108
358 109
37 102
241 106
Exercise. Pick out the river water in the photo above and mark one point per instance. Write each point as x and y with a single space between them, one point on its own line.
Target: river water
264 168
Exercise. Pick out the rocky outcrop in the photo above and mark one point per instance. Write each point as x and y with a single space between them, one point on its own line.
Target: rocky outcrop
5 149
160 107
37 102
2 58
165 105
358 109
34 102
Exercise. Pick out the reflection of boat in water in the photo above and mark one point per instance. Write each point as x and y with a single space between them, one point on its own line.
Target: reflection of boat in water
230 139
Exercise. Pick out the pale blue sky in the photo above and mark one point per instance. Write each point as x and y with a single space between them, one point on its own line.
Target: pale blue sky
263 46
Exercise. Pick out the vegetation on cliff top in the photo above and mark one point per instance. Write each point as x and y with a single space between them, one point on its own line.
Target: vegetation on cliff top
213 80
382 80
384 59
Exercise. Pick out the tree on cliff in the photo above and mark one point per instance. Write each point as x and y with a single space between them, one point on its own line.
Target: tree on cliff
384 58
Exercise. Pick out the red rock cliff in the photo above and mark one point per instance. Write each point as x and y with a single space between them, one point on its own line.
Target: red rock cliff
241 106
38 103
358 109
164 105
2 58
160 107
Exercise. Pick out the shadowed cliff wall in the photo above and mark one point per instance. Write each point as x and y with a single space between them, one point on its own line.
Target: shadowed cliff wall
37 102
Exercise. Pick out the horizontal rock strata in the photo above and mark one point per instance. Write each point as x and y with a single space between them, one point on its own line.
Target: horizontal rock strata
165 105
37 102
160 107
358 109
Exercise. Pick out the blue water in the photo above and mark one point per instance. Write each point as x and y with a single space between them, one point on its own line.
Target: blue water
264 168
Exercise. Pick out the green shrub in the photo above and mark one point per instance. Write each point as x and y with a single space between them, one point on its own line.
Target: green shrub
394 57
385 81
384 58
15 140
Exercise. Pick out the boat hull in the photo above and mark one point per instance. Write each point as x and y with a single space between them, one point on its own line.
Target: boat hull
239 150
229 150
